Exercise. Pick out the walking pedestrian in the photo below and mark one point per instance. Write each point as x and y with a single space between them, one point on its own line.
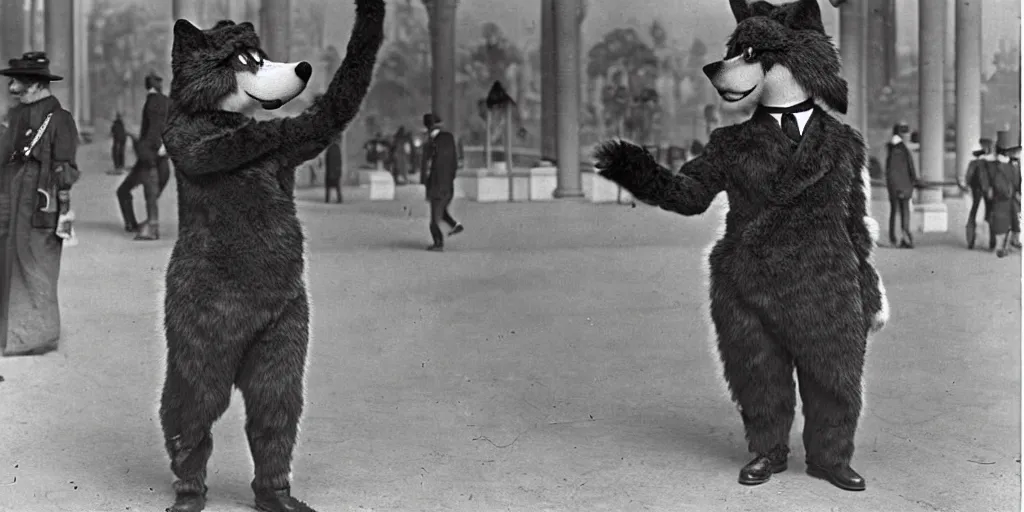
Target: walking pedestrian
37 169
900 180
152 168
118 136
976 180
1006 182
440 161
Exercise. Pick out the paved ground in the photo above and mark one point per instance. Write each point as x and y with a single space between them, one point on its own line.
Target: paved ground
554 359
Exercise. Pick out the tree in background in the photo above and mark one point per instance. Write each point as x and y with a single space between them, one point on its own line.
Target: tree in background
494 58
628 70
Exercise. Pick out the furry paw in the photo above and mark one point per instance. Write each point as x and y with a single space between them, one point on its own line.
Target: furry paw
873 230
880 318
623 163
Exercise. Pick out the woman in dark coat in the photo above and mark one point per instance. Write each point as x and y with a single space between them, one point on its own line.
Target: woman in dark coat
1005 180
900 178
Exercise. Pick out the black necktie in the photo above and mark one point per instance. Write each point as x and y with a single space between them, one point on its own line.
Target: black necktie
790 126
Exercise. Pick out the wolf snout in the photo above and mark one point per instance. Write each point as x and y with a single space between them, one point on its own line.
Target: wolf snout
712 69
304 70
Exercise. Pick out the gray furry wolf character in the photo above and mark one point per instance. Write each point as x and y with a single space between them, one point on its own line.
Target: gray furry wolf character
236 310
792 282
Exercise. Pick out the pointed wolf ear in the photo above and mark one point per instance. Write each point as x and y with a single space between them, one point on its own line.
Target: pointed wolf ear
834 92
805 15
247 26
740 9
187 34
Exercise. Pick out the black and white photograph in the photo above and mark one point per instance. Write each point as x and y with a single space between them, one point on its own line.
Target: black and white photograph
510 256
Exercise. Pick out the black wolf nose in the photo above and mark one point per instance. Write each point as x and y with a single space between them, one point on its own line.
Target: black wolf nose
712 69
304 71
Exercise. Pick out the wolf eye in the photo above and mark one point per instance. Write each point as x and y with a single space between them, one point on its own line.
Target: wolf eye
749 54
256 58
242 59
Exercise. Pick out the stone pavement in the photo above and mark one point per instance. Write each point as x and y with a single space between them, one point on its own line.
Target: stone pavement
554 359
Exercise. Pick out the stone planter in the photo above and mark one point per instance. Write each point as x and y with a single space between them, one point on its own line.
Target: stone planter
543 182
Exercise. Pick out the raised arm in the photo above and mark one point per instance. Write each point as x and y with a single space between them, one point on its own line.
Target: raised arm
688 193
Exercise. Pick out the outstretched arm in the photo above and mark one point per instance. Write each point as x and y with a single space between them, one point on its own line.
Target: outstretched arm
688 193
228 144
873 300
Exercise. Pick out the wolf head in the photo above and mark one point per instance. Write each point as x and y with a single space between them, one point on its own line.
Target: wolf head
223 68
779 51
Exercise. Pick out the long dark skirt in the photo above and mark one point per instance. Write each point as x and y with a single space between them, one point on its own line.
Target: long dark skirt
29 267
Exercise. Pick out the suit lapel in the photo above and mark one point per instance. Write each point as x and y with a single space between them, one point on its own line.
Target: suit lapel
812 159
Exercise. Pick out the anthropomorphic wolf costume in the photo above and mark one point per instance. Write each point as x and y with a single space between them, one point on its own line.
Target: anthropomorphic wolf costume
792 282
236 310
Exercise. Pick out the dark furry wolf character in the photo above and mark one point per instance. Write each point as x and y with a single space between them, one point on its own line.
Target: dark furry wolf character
236 311
792 282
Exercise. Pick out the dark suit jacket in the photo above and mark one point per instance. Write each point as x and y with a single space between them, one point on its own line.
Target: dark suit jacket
441 161
900 175
332 164
154 118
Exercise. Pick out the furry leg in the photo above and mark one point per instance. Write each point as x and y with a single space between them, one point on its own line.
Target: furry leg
759 373
190 405
270 380
831 387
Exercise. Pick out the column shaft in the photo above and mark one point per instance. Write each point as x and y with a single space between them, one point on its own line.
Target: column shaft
12 30
853 33
60 47
968 80
548 89
442 48
931 44
567 52
275 29
189 10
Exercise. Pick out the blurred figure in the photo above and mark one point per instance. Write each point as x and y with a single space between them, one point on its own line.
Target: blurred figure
119 136
152 168
900 178
1005 180
401 156
333 171
977 181
440 163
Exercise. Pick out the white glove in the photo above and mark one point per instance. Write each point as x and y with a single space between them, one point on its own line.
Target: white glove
66 229
162 151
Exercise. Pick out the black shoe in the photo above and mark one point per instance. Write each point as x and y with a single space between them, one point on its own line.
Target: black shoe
131 228
456 230
841 476
972 236
1002 253
436 248
188 502
761 469
280 500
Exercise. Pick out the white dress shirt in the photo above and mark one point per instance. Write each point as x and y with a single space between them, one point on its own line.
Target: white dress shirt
801 119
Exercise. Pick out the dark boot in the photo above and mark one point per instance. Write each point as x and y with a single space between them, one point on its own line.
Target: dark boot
280 500
972 236
148 232
188 502
456 230
761 469
841 476
131 227
436 248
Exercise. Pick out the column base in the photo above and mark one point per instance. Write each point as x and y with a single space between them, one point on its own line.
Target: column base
930 218
563 193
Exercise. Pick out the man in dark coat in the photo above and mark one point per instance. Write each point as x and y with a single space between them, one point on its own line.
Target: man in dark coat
440 163
119 137
900 178
333 170
152 169
1006 185
976 179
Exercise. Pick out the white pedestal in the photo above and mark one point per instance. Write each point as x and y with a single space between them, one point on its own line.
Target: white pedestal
543 182
491 187
521 185
930 218
366 176
382 185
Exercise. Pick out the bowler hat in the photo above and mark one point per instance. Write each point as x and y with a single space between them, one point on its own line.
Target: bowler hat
431 120
31 64
1003 144
983 147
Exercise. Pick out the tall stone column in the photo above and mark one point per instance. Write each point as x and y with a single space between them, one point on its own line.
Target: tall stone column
931 211
443 93
60 48
12 30
83 96
548 89
567 53
275 29
853 34
968 80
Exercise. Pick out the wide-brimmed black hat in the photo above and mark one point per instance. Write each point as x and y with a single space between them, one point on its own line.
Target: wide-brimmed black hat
31 64
431 120
983 147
